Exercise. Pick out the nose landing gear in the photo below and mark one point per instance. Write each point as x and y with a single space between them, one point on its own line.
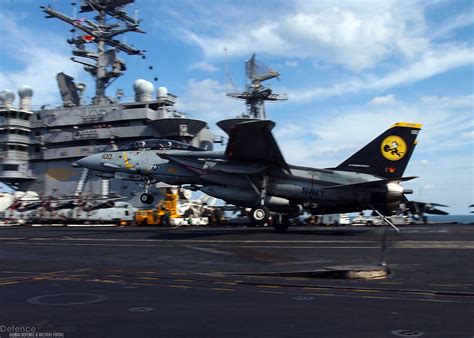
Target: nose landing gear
146 197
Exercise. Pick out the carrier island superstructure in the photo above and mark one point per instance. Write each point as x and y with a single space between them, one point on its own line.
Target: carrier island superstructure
38 147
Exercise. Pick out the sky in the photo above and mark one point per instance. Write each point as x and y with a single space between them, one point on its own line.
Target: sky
350 69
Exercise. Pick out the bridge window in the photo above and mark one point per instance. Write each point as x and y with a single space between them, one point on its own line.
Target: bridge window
10 167
17 147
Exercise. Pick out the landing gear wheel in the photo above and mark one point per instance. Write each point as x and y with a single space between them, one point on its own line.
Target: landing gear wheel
282 225
146 198
260 214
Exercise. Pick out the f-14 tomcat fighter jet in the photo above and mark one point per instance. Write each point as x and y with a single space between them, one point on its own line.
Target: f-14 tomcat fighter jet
252 172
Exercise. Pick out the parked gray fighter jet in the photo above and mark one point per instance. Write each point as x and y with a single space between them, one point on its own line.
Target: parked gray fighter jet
252 172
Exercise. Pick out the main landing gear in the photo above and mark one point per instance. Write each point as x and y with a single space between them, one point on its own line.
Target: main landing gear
146 197
260 214
281 223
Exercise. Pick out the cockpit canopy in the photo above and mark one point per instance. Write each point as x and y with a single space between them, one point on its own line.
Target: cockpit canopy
159 144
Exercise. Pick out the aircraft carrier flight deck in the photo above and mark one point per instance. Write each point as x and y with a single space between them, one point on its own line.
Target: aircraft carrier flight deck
235 282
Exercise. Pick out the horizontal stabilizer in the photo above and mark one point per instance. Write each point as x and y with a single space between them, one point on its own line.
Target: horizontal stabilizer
376 183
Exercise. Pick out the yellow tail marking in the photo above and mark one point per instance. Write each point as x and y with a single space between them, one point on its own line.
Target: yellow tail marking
407 125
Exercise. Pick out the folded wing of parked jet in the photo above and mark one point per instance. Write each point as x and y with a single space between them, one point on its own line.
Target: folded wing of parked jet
253 142
417 207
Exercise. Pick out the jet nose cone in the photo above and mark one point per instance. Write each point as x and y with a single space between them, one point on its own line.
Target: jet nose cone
88 162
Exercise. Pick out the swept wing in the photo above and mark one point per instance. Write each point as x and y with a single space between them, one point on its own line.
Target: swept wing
252 141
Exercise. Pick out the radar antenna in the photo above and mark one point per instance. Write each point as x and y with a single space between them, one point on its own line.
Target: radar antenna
110 20
256 93
227 73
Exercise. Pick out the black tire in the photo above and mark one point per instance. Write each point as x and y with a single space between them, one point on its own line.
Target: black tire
188 213
260 214
146 198
369 223
282 226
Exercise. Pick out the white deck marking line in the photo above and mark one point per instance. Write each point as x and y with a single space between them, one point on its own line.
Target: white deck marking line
213 251
172 246
394 245
304 247
434 245
195 240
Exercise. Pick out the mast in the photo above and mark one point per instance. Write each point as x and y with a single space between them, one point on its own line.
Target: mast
110 20
256 93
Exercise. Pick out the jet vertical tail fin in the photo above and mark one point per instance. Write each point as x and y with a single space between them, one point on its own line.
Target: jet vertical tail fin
386 156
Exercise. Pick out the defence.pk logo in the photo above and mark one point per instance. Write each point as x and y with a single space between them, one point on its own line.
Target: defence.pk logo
393 148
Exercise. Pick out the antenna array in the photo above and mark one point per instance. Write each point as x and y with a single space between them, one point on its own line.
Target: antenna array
110 21
256 93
